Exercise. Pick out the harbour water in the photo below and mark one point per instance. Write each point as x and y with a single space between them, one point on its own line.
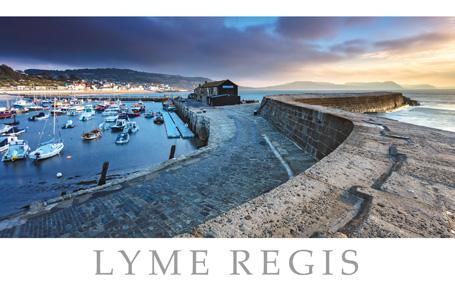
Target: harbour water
25 181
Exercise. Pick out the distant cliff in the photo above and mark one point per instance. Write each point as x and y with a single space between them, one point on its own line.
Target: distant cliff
11 77
121 75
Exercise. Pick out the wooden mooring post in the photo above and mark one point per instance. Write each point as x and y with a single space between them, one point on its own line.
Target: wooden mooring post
172 152
102 179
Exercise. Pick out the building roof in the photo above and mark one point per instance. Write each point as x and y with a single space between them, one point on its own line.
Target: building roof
216 83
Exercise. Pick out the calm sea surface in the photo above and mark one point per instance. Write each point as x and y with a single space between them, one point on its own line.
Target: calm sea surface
25 181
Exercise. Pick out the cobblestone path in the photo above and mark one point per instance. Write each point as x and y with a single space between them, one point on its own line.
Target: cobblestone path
176 199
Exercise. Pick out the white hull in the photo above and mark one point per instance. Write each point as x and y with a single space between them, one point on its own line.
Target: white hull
47 151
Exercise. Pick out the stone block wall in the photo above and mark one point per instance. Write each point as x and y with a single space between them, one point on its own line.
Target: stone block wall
197 122
317 132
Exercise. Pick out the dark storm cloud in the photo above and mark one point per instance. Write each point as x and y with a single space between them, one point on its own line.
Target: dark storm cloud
311 28
202 45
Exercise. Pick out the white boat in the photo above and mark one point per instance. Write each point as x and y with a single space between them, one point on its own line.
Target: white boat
89 109
47 150
72 111
88 113
14 131
131 127
5 141
5 128
122 138
17 150
111 111
68 124
119 125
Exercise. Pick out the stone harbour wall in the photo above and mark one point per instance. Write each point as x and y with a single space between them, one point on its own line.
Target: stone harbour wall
196 120
316 132
375 177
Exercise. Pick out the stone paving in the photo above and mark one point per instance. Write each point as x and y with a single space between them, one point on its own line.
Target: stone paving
176 199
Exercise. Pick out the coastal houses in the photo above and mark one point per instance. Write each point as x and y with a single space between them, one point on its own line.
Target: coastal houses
216 93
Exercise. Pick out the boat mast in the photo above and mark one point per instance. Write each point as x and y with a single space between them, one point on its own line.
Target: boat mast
54 119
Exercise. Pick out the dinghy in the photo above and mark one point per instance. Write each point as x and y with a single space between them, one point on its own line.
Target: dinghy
68 124
17 150
158 119
92 135
5 141
122 138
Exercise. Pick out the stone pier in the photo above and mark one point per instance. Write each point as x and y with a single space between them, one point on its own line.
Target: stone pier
310 165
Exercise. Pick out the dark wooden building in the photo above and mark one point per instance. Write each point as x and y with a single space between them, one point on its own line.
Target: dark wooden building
222 92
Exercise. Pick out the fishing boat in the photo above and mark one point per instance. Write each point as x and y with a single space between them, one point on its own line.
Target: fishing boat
131 127
122 138
39 116
112 118
17 150
68 124
119 125
92 135
5 141
14 131
158 119
148 114
49 148
140 107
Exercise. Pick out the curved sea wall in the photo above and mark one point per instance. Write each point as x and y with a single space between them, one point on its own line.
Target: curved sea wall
375 177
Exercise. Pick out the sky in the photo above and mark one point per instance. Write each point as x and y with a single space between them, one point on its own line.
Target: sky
252 51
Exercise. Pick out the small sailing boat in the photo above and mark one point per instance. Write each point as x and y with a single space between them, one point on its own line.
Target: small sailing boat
48 149
17 150
5 141
92 135
122 138
131 127
68 124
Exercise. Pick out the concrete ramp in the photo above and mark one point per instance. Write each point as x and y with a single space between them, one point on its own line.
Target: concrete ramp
171 128
185 132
